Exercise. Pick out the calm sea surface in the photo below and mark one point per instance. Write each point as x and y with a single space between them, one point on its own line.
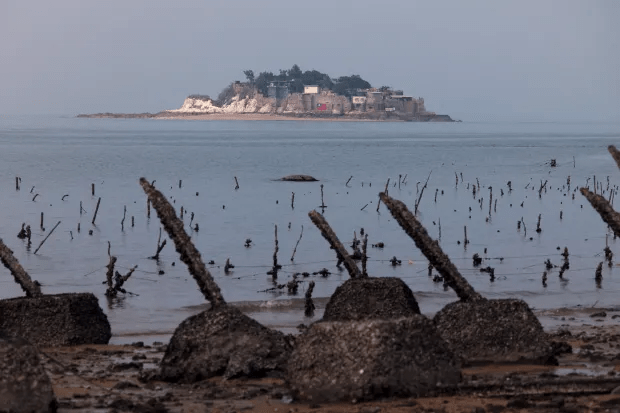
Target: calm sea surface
63 156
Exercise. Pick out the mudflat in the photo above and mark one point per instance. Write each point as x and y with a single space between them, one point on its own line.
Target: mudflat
107 377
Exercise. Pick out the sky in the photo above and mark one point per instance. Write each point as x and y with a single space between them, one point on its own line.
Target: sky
541 60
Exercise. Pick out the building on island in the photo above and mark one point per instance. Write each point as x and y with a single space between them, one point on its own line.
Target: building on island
312 89
278 89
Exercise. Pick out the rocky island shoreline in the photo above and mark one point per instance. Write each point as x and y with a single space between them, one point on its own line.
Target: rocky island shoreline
297 95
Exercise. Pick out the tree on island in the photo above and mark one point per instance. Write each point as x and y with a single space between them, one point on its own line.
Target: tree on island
297 79
347 85
249 74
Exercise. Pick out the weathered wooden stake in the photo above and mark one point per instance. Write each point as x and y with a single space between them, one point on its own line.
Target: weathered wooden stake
309 310
110 273
123 220
45 239
293 200
276 266
92 189
598 274
228 266
295 249
417 203
236 183
160 246
385 190
17 179
96 210
42 227
365 256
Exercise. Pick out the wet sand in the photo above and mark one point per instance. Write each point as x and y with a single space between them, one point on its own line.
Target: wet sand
106 378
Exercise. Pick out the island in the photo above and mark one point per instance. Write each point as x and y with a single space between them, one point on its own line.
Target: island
296 94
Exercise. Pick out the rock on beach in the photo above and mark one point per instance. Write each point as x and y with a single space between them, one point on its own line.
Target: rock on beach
363 360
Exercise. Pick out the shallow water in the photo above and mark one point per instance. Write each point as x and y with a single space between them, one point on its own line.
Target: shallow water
59 156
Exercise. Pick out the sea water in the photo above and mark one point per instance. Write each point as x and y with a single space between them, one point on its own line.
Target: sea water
58 156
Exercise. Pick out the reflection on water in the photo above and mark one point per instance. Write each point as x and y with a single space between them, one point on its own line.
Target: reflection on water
56 157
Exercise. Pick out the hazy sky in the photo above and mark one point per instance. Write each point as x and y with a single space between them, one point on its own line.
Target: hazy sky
474 60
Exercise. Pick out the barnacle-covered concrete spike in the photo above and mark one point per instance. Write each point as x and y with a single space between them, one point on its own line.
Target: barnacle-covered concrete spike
371 298
431 249
369 359
31 288
184 246
614 154
50 320
330 236
477 329
604 209
220 341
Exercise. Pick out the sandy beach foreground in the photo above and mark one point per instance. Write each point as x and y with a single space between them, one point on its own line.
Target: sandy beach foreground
106 378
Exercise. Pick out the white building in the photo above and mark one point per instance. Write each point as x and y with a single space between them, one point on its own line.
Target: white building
313 89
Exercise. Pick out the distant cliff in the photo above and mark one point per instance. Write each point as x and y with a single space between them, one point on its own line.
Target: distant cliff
242 98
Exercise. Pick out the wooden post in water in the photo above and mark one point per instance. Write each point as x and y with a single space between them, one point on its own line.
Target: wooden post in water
45 239
96 210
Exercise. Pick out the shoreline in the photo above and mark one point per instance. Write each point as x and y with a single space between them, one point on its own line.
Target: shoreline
111 376
262 117
269 117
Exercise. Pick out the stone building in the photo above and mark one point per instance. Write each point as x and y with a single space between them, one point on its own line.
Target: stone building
359 103
278 89
374 101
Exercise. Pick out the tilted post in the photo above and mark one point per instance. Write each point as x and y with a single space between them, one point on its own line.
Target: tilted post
431 249
604 209
184 246
31 288
614 154
330 236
